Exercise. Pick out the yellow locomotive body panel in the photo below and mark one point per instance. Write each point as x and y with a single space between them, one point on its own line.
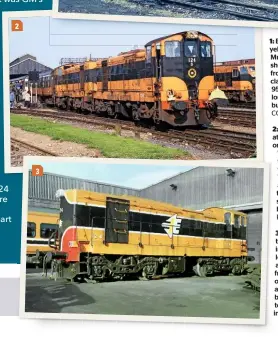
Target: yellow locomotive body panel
102 236
40 226
156 244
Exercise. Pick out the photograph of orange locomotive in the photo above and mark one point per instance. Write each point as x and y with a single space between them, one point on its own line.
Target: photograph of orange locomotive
237 79
170 82
103 237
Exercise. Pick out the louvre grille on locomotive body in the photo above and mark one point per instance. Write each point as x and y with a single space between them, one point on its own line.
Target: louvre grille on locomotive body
103 236
169 81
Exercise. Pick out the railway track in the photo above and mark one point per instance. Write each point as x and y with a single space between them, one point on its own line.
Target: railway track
240 117
18 144
236 8
237 144
241 105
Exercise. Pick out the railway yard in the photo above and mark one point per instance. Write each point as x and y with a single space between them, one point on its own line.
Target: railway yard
231 135
262 10
225 297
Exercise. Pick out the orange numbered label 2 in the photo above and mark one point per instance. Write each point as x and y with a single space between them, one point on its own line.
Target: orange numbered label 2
37 170
17 26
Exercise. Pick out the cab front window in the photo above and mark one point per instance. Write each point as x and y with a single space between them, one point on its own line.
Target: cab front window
206 49
172 49
243 70
190 49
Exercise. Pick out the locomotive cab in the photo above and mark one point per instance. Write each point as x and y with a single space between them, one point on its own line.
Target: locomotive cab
183 70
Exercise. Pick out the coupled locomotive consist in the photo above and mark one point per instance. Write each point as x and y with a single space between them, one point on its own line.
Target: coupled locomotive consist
40 226
103 237
237 79
170 81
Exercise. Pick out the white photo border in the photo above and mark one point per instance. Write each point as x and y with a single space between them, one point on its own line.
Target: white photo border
155 19
98 317
6 16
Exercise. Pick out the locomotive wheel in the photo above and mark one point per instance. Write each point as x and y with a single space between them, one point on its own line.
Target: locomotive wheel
148 272
236 270
200 271
162 126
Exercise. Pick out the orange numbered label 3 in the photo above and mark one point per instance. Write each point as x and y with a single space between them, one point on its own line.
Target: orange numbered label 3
17 26
37 170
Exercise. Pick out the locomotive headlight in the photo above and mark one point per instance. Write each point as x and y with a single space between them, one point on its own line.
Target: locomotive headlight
192 73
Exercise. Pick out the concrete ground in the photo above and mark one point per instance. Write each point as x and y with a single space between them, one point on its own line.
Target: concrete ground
220 296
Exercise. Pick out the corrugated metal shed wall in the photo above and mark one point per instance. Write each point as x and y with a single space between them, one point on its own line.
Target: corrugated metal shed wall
209 186
42 190
198 188
254 234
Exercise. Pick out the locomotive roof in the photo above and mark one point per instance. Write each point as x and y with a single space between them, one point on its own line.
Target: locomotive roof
180 33
81 197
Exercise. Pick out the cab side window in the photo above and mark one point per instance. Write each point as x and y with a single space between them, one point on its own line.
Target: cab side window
228 225
47 229
235 73
172 49
149 54
31 229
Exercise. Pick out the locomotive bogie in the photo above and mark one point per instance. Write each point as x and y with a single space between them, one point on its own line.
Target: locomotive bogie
116 267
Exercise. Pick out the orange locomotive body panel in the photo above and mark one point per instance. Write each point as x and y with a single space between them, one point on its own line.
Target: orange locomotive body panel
237 79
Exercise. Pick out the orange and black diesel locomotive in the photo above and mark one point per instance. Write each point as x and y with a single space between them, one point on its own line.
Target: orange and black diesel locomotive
104 236
237 79
170 81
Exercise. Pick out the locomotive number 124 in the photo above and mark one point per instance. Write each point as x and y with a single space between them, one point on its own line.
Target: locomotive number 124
191 60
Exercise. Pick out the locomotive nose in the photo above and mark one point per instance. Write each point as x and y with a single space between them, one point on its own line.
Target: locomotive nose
218 97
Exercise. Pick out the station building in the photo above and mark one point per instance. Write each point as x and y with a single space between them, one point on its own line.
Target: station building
199 188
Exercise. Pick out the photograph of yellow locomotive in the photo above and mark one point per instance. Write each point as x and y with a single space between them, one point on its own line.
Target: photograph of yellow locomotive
106 236
151 227
40 227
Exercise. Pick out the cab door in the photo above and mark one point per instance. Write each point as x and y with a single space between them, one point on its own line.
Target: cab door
116 221
82 77
104 65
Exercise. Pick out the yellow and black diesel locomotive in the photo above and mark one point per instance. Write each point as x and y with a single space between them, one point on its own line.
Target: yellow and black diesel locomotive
168 82
104 236
40 226
237 79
